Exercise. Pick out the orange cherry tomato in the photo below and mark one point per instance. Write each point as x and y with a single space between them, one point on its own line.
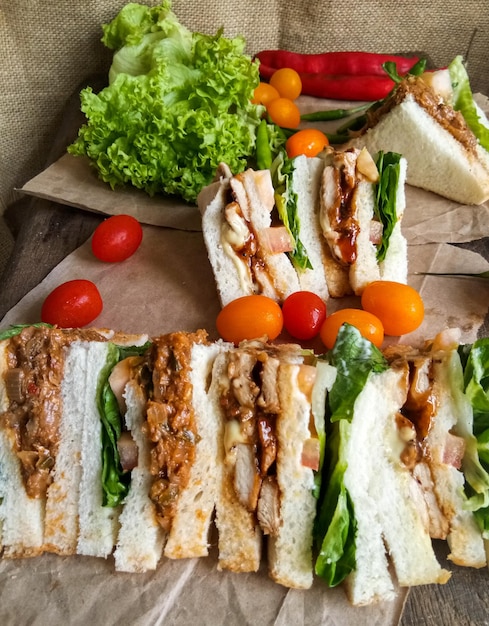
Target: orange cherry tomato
264 94
398 306
308 141
287 82
250 317
284 113
366 323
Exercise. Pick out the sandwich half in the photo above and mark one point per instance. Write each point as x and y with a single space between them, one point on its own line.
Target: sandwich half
174 484
439 413
246 251
433 121
270 453
329 224
373 514
52 441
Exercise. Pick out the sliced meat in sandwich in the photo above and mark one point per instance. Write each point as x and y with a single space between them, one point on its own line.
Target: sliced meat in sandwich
246 251
329 224
270 453
361 204
438 412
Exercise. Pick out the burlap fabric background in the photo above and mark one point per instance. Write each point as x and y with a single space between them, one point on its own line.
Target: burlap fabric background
48 46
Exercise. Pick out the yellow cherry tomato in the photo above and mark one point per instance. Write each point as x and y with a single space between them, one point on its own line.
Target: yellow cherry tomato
264 94
398 306
366 323
287 82
308 141
284 112
250 317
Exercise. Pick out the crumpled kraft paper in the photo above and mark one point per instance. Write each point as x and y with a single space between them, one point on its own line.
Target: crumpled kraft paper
168 285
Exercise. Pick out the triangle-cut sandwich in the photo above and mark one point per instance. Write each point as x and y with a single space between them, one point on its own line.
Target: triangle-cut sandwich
329 224
271 447
435 123
59 462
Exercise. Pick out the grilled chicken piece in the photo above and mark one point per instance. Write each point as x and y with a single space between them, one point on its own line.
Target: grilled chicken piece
268 510
247 481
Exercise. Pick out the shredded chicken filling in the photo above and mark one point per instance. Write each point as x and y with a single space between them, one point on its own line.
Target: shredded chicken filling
170 421
35 359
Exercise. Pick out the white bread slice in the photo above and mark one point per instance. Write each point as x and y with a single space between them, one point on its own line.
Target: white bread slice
21 517
231 281
386 498
61 521
141 538
436 161
370 581
306 181
189 532
365 269
290 551
464 536
97 524
239 535
395 265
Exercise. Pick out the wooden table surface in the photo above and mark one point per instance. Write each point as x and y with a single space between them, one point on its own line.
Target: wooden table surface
46 232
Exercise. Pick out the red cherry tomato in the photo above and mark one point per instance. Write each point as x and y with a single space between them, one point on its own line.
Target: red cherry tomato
304 312
117 238
367 324
399 307
72 304
250 317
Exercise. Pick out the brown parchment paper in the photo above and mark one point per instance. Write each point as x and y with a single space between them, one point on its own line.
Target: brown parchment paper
168 285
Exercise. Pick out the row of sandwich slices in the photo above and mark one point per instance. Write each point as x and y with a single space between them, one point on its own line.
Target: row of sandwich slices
331 224
345 465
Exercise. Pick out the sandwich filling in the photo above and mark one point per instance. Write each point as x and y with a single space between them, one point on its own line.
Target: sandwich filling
420 449
243 241
35 368
170 420
338 200
250 399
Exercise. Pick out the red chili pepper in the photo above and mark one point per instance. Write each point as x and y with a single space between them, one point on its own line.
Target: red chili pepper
360 87
368 63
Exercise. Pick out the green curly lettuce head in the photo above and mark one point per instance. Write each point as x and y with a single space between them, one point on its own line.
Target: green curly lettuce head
178 104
